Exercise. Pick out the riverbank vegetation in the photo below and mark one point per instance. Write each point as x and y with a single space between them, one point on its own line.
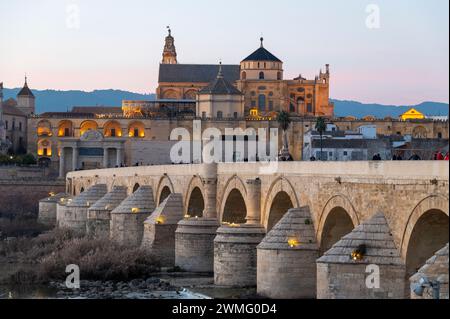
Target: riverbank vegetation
44 258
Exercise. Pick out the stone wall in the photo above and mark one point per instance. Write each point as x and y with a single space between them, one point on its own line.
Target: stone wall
22 196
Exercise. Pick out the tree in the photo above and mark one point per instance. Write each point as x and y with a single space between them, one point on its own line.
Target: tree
321 127
284 121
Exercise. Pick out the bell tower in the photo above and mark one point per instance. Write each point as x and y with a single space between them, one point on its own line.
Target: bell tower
169 53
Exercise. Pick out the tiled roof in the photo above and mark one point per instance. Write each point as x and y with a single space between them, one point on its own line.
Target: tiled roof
12 110
262 55
196 73
220 86
25 91
376 235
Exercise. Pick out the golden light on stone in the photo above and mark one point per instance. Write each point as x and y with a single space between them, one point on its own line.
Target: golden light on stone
160 220
187 216
51 194
358 254
293 242
233 225
135 210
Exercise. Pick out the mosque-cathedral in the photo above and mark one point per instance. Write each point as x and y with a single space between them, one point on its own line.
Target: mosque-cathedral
245 95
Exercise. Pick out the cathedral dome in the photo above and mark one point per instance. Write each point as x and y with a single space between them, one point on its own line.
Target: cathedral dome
262 55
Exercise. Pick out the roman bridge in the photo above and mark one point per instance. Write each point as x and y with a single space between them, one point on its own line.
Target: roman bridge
248 199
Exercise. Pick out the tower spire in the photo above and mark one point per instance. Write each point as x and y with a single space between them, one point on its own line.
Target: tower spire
169 53
220 74
262 42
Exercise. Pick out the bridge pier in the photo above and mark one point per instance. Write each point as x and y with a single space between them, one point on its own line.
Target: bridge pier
235 245
48 207
74 215
287 258
127 219
364 264
99 214
159 230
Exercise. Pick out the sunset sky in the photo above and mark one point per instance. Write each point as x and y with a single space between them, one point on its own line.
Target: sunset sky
118 44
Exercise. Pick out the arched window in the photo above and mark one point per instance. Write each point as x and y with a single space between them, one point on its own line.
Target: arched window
88 126
292 108
262 102
279 76
261 75
219 114
244 75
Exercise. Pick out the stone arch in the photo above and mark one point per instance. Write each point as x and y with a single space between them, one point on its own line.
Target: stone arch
65 128
196 182
234 183
165 187
88 125
419 132
44 148
136 129
112 129
190 94
81 190
44 128
235 208
170 95
432 203
337 219
196 203
279 186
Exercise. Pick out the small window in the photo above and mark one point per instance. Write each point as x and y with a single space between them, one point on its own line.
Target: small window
219 114
204 115
66 131
279 76
439 136
136 132
6 124
235 115
113 132
20 126
270 105
345 153
45 151
244 75
309 108
330 154
261 75
13 124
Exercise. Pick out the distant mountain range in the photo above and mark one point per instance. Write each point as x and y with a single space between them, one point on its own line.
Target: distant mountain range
61 101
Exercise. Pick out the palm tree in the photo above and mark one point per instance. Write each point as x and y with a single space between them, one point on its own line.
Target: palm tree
321 127
284 121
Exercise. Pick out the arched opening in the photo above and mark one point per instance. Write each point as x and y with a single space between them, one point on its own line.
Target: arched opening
262 102
190 95
337 225
196 203
280 205
244 75
65 128
235 209
430 234
261 75
136 187
170 95
81 190
137 130
112 129
88 126
44 128
164 194
44 148
419 132
279 76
